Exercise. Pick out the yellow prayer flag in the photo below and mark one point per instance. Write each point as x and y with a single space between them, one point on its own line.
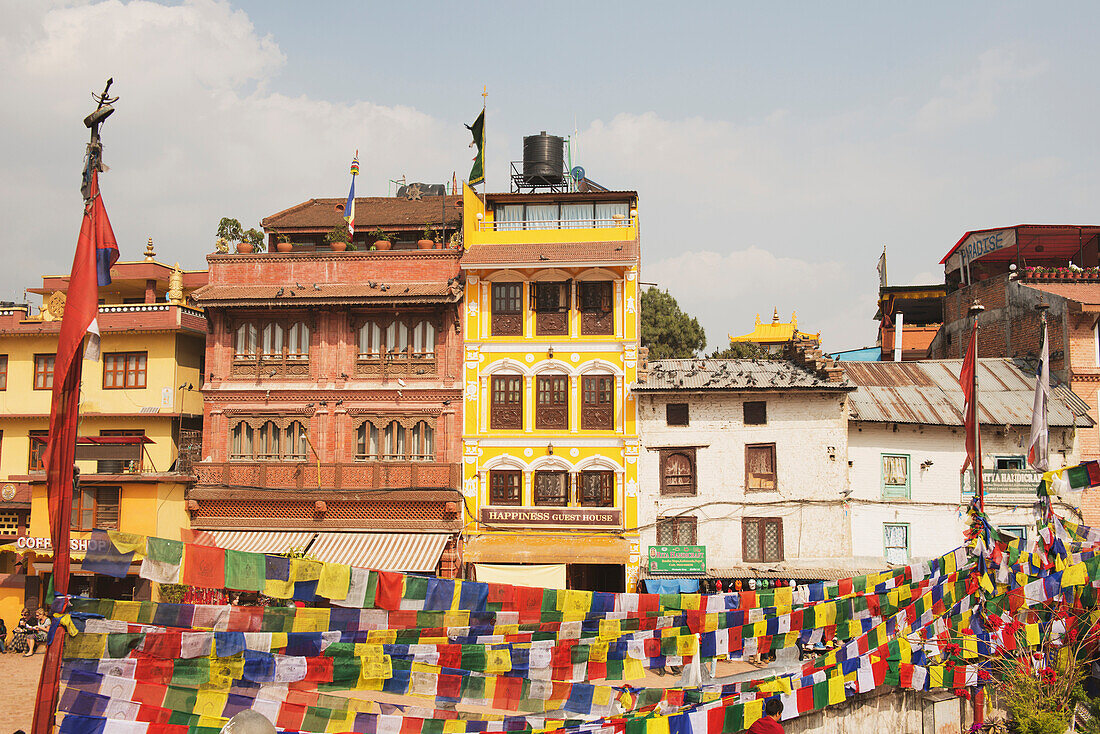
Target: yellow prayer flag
577 602
690 601
970 646
86 645
127 611
1031 634
710 622
825 614
210 703
784 596
632 669
753 710
384 637
836 689
601 695
335 581
303 569
935 676
597 651
456 619
341 721
687 645
498 661
308 619
278 641
657 725
1075 575
610 629
759 629
278 589
452 726
127 542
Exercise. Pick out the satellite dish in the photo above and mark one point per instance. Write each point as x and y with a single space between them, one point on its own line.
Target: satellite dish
577 173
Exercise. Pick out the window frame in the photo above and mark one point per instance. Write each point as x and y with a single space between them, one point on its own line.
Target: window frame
552 414
761 524
761 405
535 500
750 475
895 491
33 438
128 432
591 412
79 510
671 408
3 372
1018 458
607 493
908 542
140 370
366 431
496 493
691 487
551 320
506 321
596 321
495 406
671 525
44 366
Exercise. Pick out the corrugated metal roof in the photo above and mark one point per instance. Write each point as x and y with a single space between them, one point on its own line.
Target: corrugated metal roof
928 392
732 374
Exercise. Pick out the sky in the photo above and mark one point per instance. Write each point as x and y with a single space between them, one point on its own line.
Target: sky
776 148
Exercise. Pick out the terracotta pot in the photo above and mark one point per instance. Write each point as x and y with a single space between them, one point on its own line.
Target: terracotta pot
425 244
284 246
244 248
383 244
338 246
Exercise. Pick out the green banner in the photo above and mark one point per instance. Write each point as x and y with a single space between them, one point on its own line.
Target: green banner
678 559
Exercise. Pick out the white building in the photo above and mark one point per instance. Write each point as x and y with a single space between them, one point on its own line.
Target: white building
749 459
906 450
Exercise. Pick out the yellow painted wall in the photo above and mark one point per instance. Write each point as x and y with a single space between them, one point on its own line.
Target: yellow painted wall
473 234
145 508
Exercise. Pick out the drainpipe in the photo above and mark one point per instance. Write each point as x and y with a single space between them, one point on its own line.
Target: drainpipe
899 324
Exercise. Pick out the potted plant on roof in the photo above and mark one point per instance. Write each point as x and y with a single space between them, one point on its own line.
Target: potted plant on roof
427 242
381 239
338 238
229 230
252 239
282 242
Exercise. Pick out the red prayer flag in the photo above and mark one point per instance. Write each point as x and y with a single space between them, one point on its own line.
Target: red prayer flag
389 590
203 566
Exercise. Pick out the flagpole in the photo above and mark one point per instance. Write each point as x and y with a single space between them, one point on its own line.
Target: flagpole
976 309
484 102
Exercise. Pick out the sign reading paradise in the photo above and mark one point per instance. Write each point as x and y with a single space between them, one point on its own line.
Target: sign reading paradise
678 559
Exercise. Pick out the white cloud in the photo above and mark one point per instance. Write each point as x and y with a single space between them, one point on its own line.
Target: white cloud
974 95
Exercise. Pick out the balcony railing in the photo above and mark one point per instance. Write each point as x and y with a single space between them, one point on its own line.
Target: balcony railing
333 476
602 223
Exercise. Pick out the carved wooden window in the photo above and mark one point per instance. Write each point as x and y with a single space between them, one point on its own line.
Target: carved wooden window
507 402
266 447
552 488
423 342
507 309
297 346
597 489
597 315
598 402
505 488
422 442
366 442
246 343
43 371
124 370
242 440
272 341
552 402
370 340
760 466
550 302
678 471
762 539
393 442
295 441
677 531
397 340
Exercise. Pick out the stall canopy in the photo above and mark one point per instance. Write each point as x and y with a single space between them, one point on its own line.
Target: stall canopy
546 575
409 552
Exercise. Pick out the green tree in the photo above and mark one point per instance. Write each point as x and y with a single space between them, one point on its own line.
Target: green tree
667 331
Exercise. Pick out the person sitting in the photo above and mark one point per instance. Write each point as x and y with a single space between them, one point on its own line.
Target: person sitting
21 632
769 723
39 631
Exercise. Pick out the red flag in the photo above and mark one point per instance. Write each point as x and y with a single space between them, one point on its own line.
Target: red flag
81 309
969 384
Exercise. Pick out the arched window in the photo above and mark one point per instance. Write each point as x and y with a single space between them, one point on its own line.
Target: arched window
370 340
267 445
298 341
422 443
241 449
678 471
295 444
397 339
366 442
246 341
273 340
394 446
424 340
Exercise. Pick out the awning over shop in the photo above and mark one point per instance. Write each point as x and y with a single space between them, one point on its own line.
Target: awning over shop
545 575
410 552
509 548
260 541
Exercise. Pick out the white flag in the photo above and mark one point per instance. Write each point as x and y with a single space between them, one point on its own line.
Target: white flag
1037 445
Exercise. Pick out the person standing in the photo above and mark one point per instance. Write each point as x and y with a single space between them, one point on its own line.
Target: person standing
769 722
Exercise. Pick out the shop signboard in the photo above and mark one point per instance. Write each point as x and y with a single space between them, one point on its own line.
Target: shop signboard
681 559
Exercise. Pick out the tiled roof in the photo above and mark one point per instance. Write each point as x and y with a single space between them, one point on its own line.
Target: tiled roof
732 374
276 295
928 393
555 253
370 212
1084 293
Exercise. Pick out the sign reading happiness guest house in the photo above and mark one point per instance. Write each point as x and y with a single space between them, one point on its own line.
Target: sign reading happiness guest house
566 516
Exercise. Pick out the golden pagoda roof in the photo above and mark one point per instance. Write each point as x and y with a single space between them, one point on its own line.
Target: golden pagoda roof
777 332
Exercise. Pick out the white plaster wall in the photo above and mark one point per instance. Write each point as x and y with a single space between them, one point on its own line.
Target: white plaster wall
809 430
934 511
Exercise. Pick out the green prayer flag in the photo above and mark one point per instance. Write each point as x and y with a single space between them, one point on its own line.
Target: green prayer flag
163 550
416 587
1077 476
244 571
477 130
821 695
734 721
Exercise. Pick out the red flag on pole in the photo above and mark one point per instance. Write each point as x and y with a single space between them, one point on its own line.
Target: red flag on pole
81 310
968 382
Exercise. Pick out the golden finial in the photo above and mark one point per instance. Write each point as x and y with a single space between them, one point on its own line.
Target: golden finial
175 285
150 253
775 316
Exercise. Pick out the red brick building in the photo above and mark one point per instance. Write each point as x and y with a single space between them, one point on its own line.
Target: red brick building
1013 270
332 393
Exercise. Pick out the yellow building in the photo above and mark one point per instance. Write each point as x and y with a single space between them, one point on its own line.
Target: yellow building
139 404
774 336
550 443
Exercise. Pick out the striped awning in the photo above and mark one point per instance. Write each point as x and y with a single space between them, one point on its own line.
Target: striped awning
416 552
260 541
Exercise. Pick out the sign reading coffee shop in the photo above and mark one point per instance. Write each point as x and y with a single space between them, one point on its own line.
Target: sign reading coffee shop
561 516
691 559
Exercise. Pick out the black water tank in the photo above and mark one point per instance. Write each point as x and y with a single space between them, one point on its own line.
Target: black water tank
543 159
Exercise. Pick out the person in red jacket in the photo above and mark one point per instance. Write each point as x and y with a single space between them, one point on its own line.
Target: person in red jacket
769 723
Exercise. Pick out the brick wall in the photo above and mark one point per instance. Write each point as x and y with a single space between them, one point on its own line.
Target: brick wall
391 266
